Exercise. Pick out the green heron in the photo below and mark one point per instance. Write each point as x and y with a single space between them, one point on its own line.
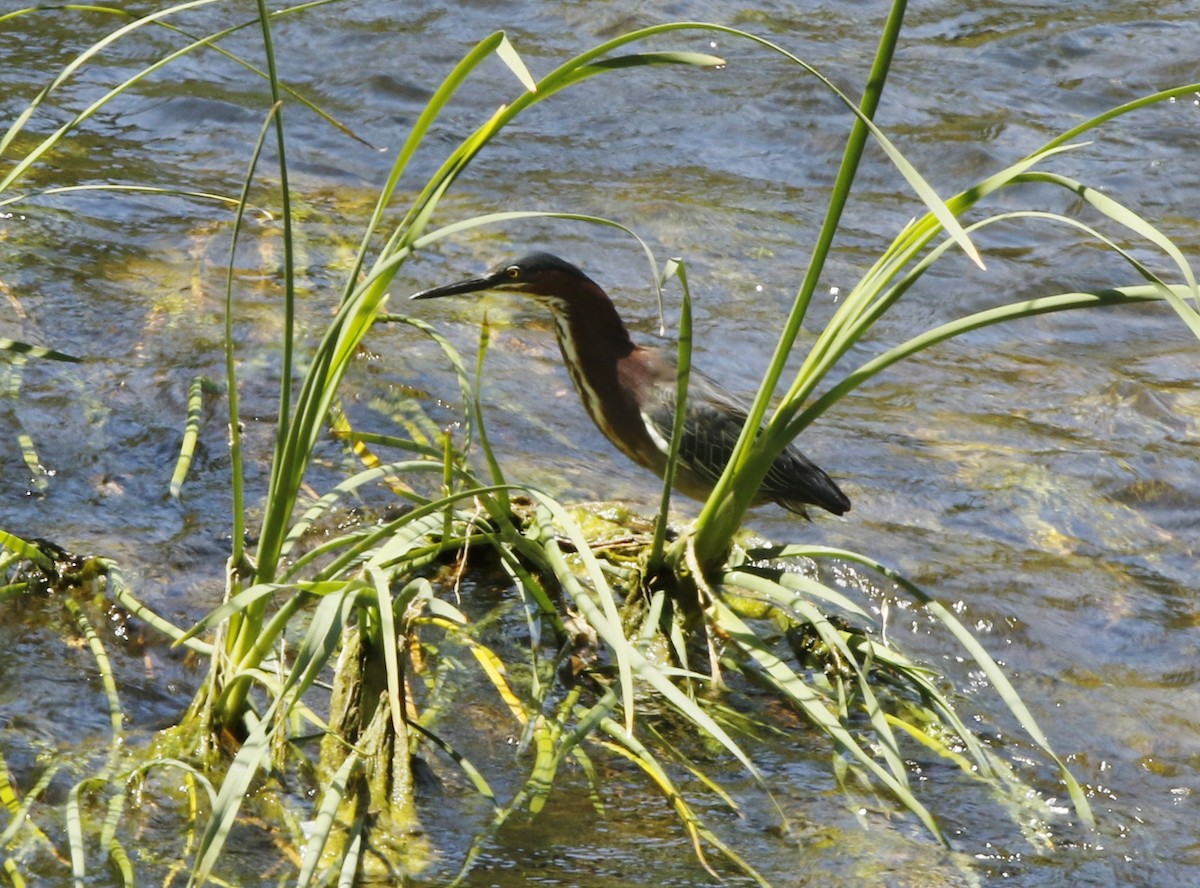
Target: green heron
629 390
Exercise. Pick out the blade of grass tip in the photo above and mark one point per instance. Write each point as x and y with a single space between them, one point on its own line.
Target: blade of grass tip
118 591
1015 704
211 42
432 237
597 60
702 777
54 138
76 63
191 434
509 55
643 59
20 810
929 197
1175 92
969 767
473 774
17 13
674 268
415 220
222 612
156 190
636 752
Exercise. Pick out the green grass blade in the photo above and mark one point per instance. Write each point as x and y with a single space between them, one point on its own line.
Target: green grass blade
1176 92
35 351
323 821
68 71
118 591
191 433
429 114
674 268
233 403
509 55
977 320
253 754
27 550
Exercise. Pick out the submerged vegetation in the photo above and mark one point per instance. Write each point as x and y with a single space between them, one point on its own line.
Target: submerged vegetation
358 637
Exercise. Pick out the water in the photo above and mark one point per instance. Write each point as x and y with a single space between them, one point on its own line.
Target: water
1041 476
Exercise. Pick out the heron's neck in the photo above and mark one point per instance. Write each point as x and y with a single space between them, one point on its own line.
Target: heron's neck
591 334
596 349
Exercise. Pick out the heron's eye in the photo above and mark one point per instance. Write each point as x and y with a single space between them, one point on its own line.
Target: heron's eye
513 272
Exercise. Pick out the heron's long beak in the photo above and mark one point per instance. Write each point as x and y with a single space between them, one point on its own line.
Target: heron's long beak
471 285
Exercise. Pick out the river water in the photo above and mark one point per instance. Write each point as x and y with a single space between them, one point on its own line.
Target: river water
1040 477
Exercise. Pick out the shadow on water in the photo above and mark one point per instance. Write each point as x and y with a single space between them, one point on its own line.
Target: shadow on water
1049 491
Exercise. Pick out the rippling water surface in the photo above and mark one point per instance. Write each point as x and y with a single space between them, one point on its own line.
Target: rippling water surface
1041 476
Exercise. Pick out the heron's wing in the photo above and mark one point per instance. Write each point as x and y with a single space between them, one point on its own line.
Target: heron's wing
711 429
711 426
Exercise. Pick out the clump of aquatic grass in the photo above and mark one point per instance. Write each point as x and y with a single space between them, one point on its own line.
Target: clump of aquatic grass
366 598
